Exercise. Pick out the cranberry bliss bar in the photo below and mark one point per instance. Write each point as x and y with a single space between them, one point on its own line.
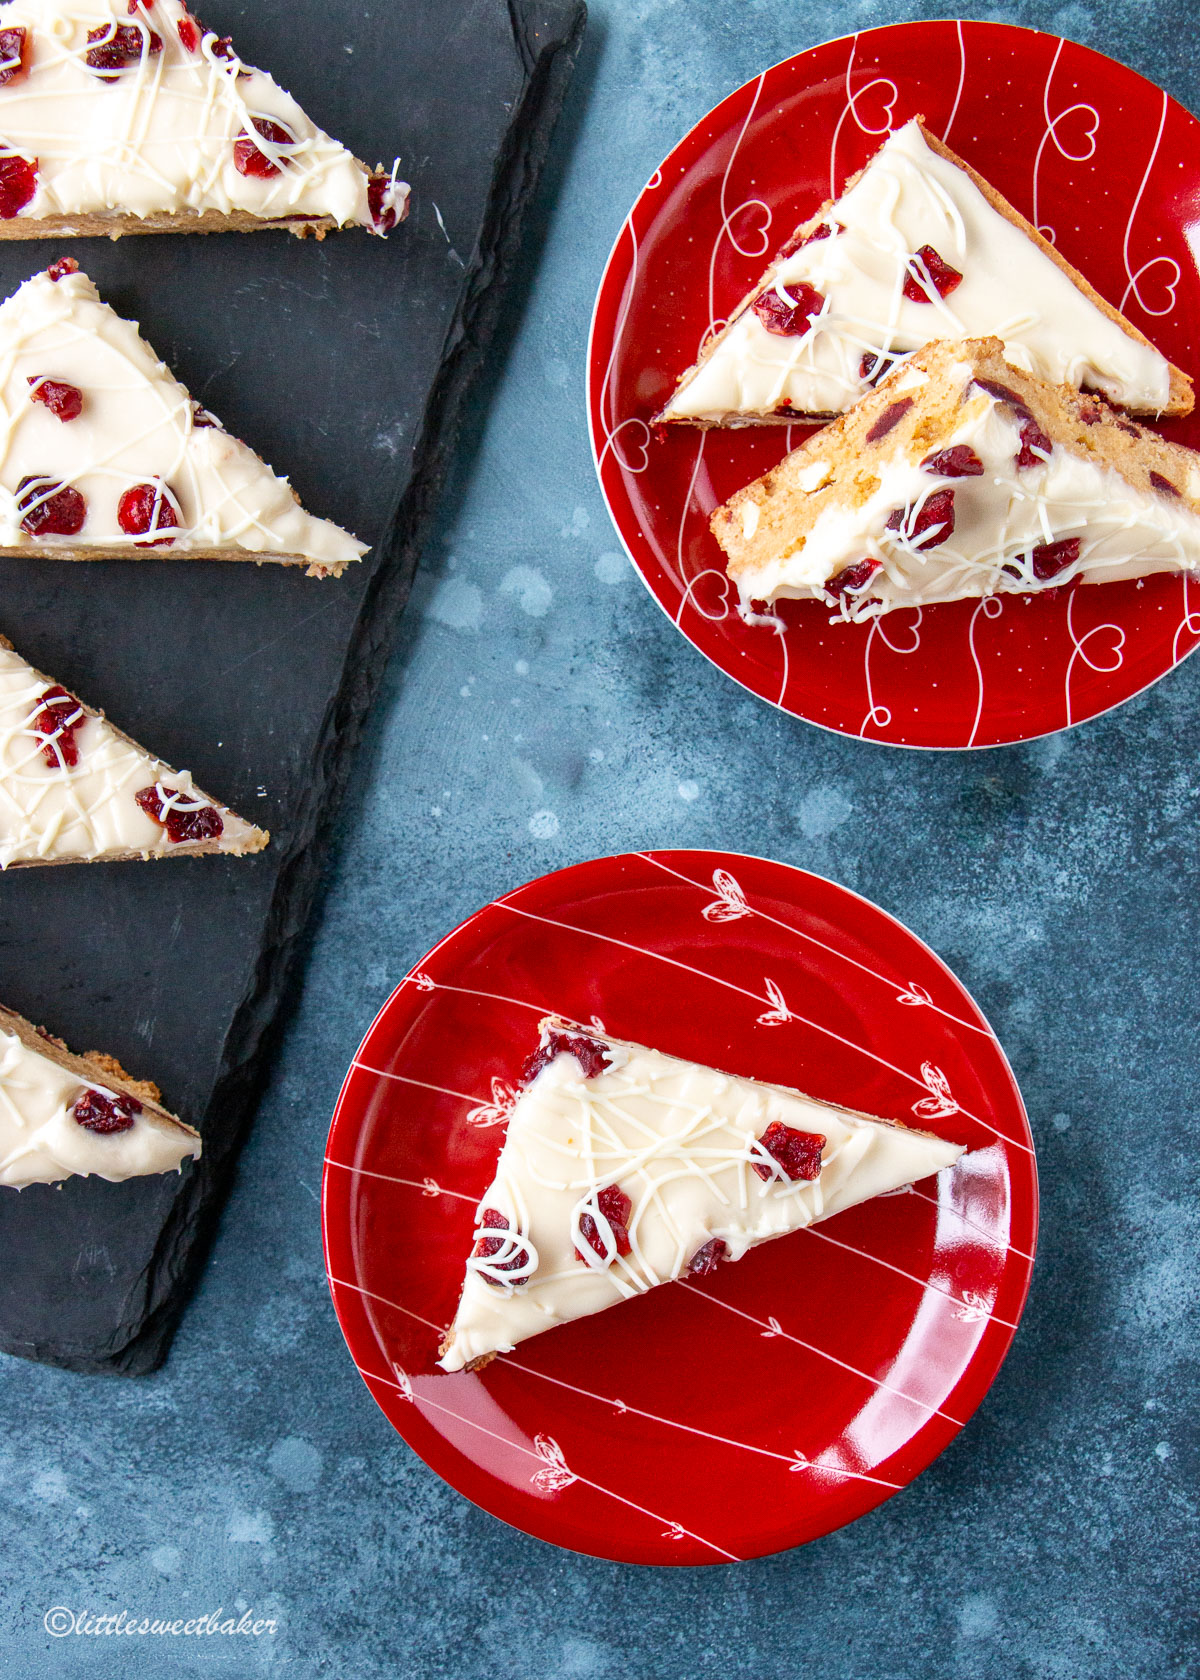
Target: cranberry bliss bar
75 790
918 247
128 116
103 452
63 1114
623 1168
962 476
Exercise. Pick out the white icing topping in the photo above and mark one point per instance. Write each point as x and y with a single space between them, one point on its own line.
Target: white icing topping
137 426
680 1141
908 197
999 518
41 1141
51 811
159 136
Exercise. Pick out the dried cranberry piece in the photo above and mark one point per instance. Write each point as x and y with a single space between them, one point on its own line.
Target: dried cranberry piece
944 278
852 580
116 47
891 416
148 508
383 214
1033 438
60 716
874 366
1163 484
106 1111
493 1220
788 320
707 1258
959 461
798 1153
50 509
14 55
1003 394
615 1205
222 47
588 1052
1048 559
821 231
1091 413
60 269
935 515
183 818
248 160
189 33
64 401
18 183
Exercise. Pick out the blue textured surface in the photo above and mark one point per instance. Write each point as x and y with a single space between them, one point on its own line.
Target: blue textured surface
540 710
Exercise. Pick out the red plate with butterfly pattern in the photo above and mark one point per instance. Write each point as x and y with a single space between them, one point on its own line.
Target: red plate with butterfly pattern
1100 159
734 1416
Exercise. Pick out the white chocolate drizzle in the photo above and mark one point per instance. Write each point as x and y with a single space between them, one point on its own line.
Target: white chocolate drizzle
681 1142
52 812
138 426
1000 517
41 1141
159 136
908 197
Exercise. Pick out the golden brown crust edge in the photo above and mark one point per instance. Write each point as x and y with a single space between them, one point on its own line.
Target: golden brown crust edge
1180 397
255 841
88 1066
118 225
114 551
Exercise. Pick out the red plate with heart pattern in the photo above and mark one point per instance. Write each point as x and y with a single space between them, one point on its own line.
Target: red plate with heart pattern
1100 159
707 1421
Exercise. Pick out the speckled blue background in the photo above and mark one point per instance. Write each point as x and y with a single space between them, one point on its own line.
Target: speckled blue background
540 710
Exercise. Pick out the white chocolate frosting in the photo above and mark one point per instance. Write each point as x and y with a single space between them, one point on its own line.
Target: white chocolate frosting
41 1141
159 136
138 425
909 197
679 1140
56 813
1000 517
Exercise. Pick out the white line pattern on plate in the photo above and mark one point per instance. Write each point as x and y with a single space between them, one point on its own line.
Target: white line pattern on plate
727 215
794 1461
730 985
921 1283
427 1186
731 904
1051 134
1079 649
991 606
772 1327
1135 278
962 76
545 1459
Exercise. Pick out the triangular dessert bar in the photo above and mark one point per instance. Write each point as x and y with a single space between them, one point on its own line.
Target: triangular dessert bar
75 790
104 453
962 476
128 116
623 1168
62 1114
918 247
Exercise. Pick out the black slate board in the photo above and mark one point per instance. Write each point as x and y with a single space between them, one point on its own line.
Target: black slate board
346 365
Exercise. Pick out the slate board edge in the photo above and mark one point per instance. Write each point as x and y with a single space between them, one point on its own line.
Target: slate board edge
547 38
